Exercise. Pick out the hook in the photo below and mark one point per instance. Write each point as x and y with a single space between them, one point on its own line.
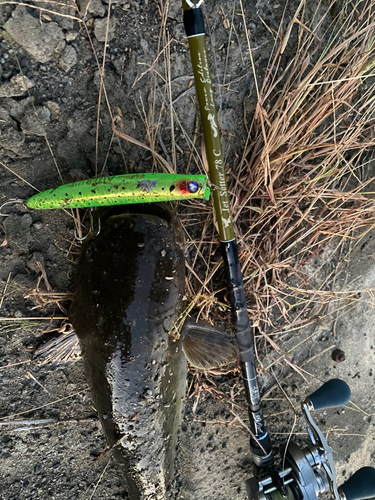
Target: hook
13 200
91 229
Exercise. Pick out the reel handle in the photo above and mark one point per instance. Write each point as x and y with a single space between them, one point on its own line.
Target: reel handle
361 485
333 393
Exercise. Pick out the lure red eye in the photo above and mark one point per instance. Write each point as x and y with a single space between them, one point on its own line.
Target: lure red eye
183 187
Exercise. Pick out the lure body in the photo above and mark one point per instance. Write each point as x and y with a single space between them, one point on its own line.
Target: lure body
129 290
123 189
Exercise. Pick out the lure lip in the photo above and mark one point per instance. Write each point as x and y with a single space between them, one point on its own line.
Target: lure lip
122 190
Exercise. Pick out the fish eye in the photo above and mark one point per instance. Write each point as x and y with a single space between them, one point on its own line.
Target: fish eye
89 251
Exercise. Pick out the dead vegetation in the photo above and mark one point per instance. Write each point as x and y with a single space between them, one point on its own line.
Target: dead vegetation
301 193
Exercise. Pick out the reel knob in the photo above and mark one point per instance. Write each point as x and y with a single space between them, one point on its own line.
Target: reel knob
333 393
360 486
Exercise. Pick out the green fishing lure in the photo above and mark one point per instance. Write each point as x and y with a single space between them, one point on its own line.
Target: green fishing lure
123 190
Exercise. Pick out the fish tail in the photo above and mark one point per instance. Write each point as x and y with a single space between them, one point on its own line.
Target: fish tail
207 347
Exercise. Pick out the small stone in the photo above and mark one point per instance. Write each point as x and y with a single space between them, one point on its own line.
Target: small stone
54 108
71 36
18 109
12 139
68 58
17 86
38 225
338 355
96 8
42 40
36 121
18 314
66 23
100 29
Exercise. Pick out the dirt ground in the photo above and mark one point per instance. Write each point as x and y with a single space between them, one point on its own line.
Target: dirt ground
48 134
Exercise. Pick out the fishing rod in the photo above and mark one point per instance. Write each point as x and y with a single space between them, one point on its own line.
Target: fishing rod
304 473
260 442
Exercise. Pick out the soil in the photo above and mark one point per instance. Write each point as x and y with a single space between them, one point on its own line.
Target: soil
48 135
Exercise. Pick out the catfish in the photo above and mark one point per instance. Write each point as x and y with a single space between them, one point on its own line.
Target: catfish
128 297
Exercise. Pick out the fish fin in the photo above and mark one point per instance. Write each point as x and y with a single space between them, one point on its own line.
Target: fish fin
207 347
59 352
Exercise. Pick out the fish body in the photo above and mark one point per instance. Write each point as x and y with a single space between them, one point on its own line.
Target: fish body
129 289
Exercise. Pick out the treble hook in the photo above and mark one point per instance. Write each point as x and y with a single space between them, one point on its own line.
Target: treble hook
91 229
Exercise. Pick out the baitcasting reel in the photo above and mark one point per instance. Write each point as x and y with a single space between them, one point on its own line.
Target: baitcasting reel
310 471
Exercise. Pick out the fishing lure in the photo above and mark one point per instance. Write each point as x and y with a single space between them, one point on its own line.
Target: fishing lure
123 190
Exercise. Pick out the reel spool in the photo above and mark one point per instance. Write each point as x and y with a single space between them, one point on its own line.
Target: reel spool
310 472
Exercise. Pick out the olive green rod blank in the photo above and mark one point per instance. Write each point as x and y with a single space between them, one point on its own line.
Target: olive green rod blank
260 443
207 107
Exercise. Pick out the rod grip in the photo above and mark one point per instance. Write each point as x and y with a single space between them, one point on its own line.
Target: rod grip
332 394
238 300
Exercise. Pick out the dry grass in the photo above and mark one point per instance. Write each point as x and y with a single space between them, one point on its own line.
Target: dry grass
301 194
